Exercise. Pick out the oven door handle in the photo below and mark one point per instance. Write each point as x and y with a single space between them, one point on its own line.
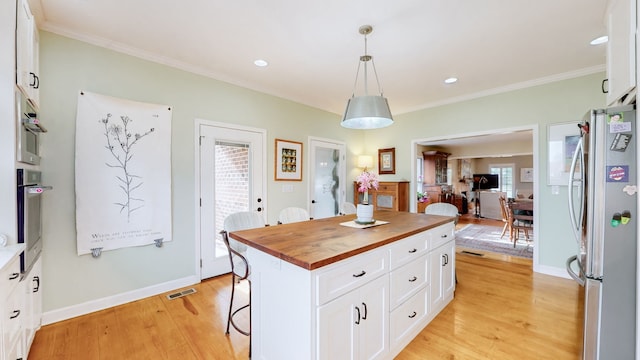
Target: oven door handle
37 189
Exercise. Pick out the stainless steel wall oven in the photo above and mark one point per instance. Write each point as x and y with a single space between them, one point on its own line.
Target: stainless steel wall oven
29 130
29 203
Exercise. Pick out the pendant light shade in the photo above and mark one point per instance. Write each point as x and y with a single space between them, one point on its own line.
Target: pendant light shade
367 111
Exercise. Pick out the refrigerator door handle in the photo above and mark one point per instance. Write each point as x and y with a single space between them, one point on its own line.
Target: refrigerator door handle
576 223
579 278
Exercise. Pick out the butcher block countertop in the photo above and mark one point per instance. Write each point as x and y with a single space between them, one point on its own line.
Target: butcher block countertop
316 243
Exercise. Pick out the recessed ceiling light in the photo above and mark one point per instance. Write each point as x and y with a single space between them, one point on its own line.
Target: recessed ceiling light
261 63
599 40
450 80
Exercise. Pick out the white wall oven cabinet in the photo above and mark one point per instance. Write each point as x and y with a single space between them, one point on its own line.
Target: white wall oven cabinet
33 303
621 49
27 53
11 303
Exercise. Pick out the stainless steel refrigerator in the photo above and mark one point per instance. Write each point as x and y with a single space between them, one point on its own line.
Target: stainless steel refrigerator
603 210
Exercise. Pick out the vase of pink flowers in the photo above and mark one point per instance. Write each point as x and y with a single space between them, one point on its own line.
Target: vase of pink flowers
366 181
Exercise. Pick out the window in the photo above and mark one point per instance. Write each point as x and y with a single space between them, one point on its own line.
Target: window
505 173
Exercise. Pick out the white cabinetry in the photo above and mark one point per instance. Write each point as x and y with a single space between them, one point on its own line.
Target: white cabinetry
33 302
367 306
621 49
442 275
11 303
353 326
27 53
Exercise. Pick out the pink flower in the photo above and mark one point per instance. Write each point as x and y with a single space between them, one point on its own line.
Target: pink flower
366 181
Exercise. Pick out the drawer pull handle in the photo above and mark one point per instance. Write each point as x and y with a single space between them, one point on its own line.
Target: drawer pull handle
16 313
14 276
360 275
413 315
413 279
444 236
36 280
413 250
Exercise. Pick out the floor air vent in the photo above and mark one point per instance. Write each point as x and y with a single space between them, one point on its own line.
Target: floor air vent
471 253
181 293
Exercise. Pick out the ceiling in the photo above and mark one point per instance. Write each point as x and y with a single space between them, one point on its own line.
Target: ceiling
313 47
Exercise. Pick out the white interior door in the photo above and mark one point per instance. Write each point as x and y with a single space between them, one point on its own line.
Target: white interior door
327 188
232 178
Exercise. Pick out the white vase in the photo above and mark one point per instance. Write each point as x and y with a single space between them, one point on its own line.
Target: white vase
364 213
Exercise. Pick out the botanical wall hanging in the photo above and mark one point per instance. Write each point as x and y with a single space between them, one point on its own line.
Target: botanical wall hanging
123 173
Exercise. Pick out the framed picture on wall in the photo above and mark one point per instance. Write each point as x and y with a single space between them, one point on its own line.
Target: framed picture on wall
387 161
526 175
288 160
562 140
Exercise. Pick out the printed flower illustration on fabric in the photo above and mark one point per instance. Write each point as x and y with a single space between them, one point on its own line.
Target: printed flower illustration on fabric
120 143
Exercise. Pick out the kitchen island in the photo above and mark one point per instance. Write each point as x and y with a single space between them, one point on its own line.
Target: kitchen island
324 289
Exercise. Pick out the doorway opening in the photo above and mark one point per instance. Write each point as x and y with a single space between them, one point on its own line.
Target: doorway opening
516 146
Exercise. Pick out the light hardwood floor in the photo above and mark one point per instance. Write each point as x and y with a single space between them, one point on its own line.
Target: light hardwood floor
501 310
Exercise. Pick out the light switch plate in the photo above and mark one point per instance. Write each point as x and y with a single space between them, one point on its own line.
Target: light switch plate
287 188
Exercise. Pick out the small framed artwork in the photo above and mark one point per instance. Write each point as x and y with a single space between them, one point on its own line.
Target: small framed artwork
387 161
526 175
288 160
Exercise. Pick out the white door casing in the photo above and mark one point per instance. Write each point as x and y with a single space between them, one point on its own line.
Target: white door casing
251 187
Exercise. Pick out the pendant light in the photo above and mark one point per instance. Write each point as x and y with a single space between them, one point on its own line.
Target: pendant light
367 111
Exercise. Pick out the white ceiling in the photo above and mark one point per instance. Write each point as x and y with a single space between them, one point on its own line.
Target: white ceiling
313 47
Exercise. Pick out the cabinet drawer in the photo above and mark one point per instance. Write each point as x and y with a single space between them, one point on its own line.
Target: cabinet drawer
388 187
343 277
408 249
408 279
10 276
407 316
440 235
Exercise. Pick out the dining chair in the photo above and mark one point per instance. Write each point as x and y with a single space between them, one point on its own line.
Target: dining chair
292 214
442 208
240 269
520 220
506 219
348 208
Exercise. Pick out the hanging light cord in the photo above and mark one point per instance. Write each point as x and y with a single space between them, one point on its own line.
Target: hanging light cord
364 59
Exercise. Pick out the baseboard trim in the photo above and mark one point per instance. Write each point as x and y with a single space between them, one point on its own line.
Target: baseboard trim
552 270
69 312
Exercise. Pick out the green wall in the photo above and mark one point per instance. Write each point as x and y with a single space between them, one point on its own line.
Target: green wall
68 66
535 107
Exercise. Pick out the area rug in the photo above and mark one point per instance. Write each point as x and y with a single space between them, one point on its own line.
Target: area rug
487 237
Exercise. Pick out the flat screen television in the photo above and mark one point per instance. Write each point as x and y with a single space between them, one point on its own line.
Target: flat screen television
485 181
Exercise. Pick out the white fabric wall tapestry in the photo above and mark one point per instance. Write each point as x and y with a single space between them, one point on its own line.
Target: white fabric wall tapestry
123 173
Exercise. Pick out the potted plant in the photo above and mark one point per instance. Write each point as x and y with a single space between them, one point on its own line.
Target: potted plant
364 211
